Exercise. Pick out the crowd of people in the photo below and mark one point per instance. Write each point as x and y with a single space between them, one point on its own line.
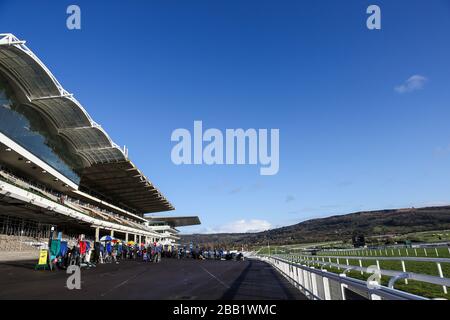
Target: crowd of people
201 253
86 253
113 251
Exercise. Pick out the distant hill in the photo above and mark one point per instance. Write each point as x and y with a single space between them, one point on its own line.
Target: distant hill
341 227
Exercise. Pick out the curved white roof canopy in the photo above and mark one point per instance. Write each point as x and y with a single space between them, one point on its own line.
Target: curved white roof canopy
73 123
47 95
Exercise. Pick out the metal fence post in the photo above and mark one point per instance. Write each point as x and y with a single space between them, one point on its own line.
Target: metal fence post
343 286
300 278
314 283
404 270
326 286
374 296
441 274
306 281
297 279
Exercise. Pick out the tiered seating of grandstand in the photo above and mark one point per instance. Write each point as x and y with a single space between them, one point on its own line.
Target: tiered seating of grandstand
75 204
8 177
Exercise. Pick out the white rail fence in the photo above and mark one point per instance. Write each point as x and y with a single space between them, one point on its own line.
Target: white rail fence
430 249
327 260
320 284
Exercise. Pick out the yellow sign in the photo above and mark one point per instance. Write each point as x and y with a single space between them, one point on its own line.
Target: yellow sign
42 257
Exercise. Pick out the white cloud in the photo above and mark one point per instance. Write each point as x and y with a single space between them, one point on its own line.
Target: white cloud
240 226
416 82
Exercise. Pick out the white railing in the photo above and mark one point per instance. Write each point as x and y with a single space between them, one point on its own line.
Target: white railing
342 262
320 284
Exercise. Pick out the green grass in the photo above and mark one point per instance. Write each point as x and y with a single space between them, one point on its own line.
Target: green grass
426 236
402 252
295 248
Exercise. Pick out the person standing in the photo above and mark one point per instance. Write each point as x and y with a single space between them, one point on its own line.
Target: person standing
158 252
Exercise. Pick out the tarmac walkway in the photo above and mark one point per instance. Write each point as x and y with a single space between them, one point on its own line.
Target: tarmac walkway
171 279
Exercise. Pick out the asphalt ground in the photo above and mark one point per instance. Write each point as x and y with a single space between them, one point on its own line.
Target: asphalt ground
171 279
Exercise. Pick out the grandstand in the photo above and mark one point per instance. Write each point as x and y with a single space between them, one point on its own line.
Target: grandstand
166 226
59 168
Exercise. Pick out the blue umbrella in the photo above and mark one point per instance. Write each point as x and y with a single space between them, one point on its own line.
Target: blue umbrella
107 238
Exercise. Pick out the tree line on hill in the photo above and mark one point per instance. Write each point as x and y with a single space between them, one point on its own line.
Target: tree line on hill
335 228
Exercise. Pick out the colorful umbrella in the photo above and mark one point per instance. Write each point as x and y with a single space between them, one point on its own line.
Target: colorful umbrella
107 238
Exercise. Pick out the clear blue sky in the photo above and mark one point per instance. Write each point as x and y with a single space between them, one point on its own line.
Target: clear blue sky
351 137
